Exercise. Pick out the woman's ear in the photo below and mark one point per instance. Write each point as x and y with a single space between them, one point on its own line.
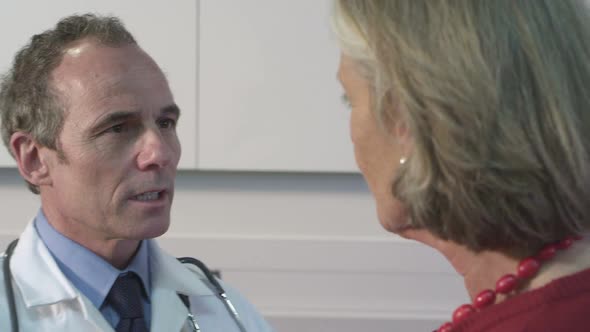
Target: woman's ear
401 131
403 137
397 122
27 153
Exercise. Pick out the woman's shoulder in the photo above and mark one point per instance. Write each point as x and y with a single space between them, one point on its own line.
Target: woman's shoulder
561 305
566 306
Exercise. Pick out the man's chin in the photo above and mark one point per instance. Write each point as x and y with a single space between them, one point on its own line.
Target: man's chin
151 230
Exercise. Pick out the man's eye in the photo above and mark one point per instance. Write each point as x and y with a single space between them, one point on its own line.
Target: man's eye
167 123
119 128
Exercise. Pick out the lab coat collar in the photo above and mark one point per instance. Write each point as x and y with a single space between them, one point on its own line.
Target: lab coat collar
170 278
33 269
169 273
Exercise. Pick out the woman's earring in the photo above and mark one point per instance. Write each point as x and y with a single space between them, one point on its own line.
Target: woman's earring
402 160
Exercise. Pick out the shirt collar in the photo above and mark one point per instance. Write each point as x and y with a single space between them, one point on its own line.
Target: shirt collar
88 272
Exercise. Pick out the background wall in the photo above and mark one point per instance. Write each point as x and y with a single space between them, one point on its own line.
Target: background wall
258 92
306 249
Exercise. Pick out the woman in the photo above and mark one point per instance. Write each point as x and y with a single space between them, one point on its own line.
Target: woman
471 125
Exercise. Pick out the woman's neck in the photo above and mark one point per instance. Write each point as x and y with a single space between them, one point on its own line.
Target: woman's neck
481 270
567 262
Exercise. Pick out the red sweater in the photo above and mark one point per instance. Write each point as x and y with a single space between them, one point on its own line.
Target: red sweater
561 305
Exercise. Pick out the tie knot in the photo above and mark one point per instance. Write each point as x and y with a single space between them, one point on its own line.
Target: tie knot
125 296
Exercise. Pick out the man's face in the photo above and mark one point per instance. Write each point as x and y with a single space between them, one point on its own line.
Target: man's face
120 145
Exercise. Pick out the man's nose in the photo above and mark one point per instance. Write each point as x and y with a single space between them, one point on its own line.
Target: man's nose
154 152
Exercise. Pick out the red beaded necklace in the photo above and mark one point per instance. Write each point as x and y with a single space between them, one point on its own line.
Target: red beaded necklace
527 268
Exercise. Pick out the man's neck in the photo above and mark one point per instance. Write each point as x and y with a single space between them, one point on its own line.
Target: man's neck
118 252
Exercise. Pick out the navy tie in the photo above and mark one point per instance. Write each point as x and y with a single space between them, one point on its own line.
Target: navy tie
126 298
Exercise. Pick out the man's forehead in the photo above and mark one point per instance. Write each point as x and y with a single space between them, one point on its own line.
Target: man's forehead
89 67
95 80
88 56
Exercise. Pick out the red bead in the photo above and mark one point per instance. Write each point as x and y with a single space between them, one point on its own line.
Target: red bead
462 312
506 284
446 327
548 252
484 299
565 243
527 268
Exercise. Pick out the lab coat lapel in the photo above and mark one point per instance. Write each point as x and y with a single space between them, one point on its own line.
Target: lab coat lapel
34 268
45 290
169 278
94 317
168 311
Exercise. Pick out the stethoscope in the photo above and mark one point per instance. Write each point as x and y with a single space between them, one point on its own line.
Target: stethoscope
185 260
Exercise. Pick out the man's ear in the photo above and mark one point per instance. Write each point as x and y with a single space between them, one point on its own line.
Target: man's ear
27 152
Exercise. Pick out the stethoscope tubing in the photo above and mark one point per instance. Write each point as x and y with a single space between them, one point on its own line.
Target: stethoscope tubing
8 286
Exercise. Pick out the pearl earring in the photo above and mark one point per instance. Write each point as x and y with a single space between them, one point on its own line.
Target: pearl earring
402 160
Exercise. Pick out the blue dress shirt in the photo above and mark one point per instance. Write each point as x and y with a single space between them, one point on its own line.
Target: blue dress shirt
89 273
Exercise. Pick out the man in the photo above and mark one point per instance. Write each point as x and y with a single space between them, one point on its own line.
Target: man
90 120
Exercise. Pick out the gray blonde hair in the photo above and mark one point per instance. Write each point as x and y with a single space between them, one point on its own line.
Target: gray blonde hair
496 97
27 101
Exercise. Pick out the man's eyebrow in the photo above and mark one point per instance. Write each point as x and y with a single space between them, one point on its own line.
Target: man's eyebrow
115 117
171 110
122 116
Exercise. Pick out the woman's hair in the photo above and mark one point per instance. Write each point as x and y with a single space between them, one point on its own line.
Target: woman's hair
496 96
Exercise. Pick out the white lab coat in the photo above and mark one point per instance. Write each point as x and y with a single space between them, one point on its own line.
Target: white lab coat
47 301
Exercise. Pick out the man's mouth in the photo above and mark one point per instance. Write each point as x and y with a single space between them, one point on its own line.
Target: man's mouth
149 196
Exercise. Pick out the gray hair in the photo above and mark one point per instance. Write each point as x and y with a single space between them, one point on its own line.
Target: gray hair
495 95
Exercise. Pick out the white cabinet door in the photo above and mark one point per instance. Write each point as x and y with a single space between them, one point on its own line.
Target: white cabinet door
269 99
167 30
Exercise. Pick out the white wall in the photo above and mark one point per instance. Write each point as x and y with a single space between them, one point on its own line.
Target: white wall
305 248
269 99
